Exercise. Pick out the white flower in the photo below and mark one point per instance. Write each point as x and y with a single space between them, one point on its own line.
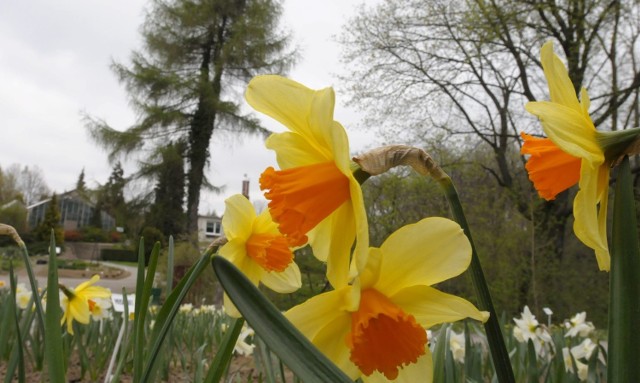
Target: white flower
185 308
456 345
582 368
208 309
584 349
23 296
99 308
242 346
578 326
527 328
431 341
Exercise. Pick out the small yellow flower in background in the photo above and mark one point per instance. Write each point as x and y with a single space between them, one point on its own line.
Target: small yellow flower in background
76 302
315 196
375 328
2 284
570 155
257 248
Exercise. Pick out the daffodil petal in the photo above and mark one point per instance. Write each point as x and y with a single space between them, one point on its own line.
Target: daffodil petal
361 226
293 150
314 314
253 272
250 269
281 99
421 371
569 129
95 278
234 250
264 223
284 282
427 252
585 103
230 308
370 274
561 89
238 213
79 310
94 292
331 341
69 325
339 144
331 241
590 224
431 307
302 110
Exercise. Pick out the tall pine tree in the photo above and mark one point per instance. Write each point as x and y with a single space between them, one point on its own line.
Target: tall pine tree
185 83
167 212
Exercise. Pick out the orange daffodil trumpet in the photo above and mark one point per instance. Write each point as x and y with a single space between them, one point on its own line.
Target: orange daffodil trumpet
257 248
572 154
77 303
375 328
314 196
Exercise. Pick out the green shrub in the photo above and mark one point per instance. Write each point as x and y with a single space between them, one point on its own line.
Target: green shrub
94 234
73 236
121 255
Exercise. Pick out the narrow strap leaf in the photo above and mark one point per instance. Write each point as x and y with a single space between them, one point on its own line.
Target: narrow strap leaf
225 352
293 348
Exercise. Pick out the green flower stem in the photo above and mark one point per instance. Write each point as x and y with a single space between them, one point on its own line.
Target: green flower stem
624 289
33 282
52 338
497 346
380 160
170 308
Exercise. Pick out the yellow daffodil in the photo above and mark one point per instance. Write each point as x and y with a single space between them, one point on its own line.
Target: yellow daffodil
375 328
257 248
571 154
76 302
315 196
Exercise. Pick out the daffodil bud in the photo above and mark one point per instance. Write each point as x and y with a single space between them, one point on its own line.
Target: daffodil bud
11 232
382 159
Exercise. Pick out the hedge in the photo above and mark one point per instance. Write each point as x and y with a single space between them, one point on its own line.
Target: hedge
123 255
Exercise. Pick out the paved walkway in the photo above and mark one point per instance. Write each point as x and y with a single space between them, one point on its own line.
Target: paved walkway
116 285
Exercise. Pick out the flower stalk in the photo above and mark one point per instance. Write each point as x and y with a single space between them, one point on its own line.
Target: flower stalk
382 159
624 290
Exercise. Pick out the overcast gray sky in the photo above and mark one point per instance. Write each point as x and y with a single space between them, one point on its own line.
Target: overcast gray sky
54 64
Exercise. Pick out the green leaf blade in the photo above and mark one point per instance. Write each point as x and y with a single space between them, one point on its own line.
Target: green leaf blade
293 348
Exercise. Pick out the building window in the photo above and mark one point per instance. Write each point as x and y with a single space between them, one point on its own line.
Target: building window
213 228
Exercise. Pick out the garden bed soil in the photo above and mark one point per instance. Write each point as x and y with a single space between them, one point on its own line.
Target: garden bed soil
242 369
